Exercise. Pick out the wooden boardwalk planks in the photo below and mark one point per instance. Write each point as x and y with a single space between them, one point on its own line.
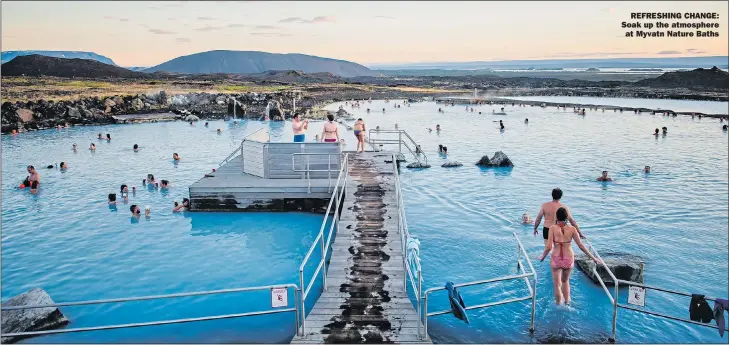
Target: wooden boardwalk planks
366 301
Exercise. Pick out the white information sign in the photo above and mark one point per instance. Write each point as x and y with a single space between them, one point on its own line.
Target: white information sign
279 297
636 295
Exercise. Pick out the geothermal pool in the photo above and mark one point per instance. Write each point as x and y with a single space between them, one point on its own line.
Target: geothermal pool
68 241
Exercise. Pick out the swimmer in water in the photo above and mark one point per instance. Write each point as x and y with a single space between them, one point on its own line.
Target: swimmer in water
63 166
175 156
604 177
383 110
525 219
112 199
34 187
75 147
136 211
526 121
501 124
164 184
437 128
108 137
219 131
101 136
206 124
92 147
647 169
657 132
124 191
182 207
665 130
724 128
136 148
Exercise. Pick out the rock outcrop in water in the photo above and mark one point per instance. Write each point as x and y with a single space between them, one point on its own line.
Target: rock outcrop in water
499 160
452 164
29 320
418 165
624 267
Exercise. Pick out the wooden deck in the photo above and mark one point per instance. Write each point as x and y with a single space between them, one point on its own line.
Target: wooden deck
366 301
229 189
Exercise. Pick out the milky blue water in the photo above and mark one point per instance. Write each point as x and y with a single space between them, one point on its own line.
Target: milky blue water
68 241
706 107
675 218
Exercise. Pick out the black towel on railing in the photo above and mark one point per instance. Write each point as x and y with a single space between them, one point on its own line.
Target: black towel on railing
699 309
457 305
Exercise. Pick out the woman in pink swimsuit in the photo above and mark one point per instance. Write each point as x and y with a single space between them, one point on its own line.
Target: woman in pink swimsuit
330 133
562 260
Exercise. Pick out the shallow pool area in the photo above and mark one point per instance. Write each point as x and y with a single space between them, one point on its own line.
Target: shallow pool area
674 218
68 240
707 107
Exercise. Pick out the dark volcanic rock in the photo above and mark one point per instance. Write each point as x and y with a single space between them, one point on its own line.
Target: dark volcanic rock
417 165
452 164
499 160
39 65
29 320
624 267
713 78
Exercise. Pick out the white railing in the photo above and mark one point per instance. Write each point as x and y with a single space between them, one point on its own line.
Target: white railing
308 169
163 322
240 147
524 275
415 279
400 142
614 299
335 200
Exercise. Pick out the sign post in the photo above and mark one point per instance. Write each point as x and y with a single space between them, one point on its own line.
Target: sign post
636 295
279 297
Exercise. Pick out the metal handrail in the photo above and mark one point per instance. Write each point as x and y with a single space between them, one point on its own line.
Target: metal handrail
308 170
239 148
614 300
295 309
402 229
524 275
400 142
335 199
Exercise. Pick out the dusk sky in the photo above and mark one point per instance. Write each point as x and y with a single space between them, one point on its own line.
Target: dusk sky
149 33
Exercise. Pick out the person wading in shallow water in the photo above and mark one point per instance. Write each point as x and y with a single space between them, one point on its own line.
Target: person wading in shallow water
549 211
563 258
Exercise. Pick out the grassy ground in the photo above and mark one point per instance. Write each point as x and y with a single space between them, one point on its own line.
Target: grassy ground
57 89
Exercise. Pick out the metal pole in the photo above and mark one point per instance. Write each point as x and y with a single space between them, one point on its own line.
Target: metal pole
425 316
296 305
420 286
303 303
615 311
329 172
399 144
324 262
534 302
308 171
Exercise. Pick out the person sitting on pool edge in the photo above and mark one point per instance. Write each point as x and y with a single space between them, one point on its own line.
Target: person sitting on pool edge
604 177
182 207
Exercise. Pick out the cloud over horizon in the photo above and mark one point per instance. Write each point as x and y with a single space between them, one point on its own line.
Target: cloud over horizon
161 32
317 19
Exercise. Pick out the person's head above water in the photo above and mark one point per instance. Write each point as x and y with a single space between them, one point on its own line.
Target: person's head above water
330 117
135 147
561 214
123 188
31 169
604 173
647 169
135 210
63 165
175 156
112 198
296 116
556 194
164 183
108 136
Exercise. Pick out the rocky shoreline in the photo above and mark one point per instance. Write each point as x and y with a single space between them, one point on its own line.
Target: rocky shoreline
42 114
161 106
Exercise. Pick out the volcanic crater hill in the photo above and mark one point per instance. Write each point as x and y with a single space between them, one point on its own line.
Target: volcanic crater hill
713 78
40 65
253 62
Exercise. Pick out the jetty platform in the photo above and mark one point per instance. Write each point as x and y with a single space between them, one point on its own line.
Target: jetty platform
366 300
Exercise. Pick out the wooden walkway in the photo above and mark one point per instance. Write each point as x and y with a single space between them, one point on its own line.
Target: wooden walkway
366 301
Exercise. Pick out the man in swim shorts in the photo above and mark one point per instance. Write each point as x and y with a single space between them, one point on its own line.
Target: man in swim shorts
299 128
549 212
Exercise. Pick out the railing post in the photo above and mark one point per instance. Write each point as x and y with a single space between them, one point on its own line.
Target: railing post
303 304
324 261
420 287
615 310
399 144
425 316
296 306
534 302
329 171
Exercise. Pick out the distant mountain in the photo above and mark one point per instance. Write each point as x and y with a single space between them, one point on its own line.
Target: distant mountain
252 62
9 55
680 62
136 68
39 65
713 78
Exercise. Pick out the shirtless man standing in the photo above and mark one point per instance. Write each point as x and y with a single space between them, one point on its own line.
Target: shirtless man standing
549 211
